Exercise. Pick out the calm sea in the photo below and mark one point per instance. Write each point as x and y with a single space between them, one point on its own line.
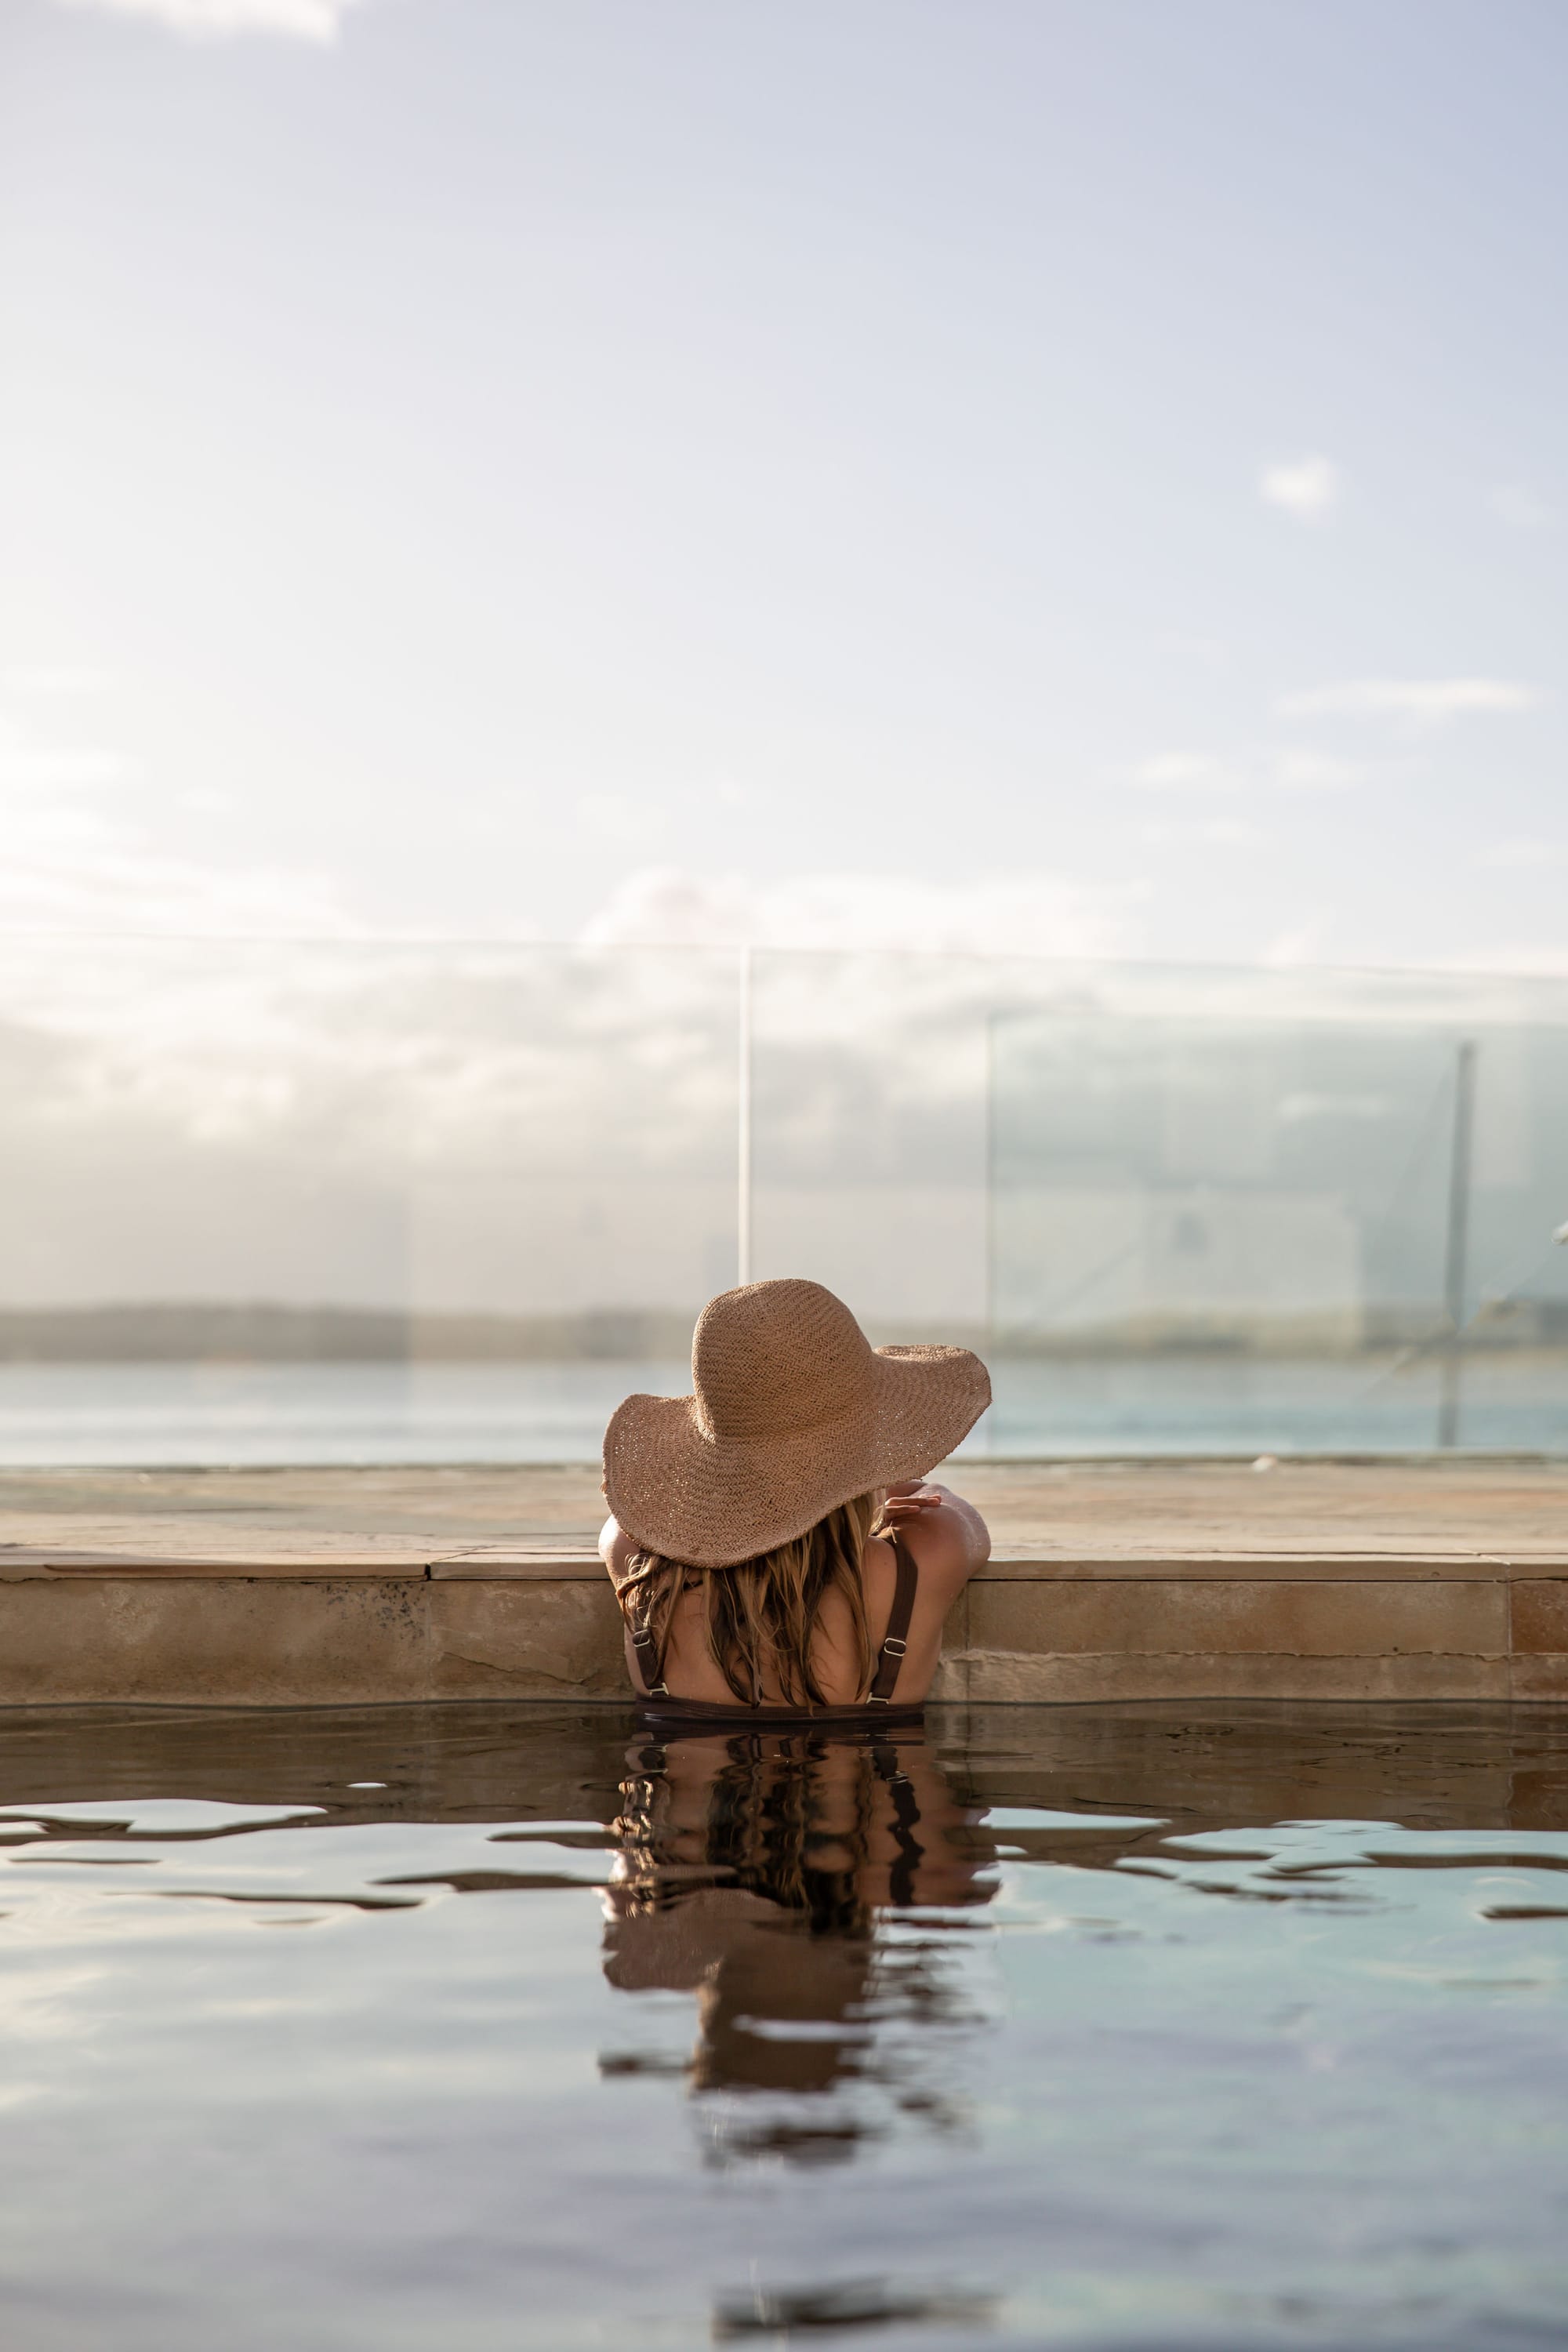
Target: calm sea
205 1413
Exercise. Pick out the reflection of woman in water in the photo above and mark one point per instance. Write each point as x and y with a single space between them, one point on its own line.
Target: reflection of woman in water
775 1546
752 1872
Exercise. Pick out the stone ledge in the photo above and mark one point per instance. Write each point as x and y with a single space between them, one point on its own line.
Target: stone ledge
1110 1582
567 1564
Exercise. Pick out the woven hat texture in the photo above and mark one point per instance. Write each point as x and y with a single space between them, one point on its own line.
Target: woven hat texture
794 1412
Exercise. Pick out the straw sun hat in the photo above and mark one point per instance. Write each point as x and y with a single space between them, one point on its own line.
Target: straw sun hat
794 1412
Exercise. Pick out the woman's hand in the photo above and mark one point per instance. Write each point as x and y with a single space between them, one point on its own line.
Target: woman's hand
909 1498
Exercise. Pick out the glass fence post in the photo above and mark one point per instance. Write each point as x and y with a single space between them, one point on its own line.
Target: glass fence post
988 1202
743 1120
1456 1244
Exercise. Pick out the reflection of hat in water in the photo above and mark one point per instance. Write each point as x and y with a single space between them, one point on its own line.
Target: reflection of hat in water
794 1413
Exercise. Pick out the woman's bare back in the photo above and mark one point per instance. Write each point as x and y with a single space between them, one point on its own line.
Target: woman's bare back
948 1539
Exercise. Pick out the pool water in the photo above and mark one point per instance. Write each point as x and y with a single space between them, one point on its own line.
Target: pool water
467 2027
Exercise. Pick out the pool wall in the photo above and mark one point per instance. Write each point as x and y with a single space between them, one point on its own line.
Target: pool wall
1109 1582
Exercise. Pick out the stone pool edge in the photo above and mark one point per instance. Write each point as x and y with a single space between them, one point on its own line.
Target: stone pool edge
1132 1581
494 1621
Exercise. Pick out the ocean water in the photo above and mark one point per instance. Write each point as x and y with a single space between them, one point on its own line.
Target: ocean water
379 1412
495 2027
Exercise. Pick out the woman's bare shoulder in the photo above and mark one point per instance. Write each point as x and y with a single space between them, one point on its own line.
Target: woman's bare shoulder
616 1549
946 1534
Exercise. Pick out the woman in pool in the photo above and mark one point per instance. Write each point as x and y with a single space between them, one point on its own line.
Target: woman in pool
775 1544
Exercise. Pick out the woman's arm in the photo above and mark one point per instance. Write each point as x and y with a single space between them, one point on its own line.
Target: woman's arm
947 1535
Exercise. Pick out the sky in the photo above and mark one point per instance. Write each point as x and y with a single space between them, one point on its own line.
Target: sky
1079 477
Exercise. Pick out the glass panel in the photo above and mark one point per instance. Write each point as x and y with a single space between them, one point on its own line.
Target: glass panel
354 1202
366 1202
1217 1232
869 1135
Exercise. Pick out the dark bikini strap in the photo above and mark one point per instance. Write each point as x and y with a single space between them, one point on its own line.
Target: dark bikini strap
895 1641
647 1651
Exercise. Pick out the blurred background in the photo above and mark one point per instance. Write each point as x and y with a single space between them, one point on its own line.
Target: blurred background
902 641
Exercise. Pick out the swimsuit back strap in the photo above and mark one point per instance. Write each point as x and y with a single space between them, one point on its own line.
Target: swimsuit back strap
647 1652
895 1641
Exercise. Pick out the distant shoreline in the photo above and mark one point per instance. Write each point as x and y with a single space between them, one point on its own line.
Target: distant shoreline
255 1332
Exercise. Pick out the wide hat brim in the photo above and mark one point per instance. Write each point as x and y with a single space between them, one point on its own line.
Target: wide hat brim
681 1491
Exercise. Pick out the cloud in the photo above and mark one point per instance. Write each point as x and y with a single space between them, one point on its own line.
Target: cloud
1300 943
84 879
299 20
65 681
1311 772
1306 487
1259 770
1217 833
1519 508
1522 960
1028 914
619 821
1418 702
72 865
1186 771
1526 850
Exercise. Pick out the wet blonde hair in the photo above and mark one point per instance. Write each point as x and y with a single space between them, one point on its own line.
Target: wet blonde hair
761 1615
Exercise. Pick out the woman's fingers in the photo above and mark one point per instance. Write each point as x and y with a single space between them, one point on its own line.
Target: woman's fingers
908 1501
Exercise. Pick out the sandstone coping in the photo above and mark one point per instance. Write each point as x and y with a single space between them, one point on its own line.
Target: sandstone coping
1110 1582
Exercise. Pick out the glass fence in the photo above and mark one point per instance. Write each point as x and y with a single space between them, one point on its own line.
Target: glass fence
406 1203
